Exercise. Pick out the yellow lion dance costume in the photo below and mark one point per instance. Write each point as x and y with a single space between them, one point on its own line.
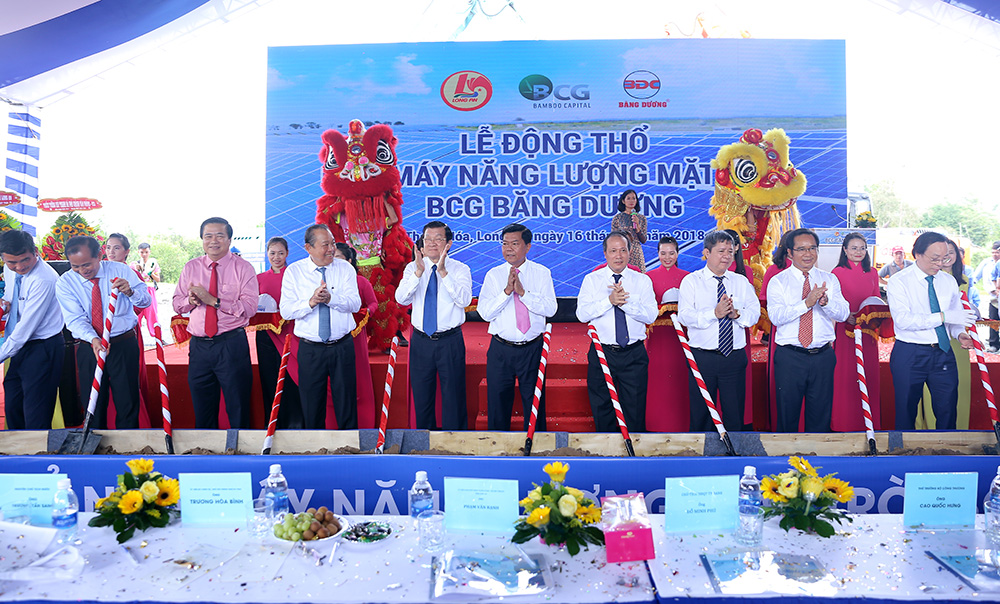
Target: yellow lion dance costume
755 192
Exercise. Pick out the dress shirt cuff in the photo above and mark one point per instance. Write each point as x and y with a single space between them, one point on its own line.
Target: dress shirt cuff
451 286
532 300
704 318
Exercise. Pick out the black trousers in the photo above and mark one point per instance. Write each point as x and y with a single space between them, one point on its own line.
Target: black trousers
630 373
268 364
797 376
31 382
504 364
431 360
221 362
914 365
121 376
333 364
994 334
726 380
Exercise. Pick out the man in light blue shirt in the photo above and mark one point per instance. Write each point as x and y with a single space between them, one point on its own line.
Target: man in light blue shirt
993 275
83 295
33 338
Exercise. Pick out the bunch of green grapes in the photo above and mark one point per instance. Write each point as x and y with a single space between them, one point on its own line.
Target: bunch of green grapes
307 526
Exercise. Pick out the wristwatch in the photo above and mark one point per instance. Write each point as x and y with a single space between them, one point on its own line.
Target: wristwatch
218 303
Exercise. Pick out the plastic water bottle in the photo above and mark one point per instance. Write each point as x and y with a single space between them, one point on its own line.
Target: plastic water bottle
749 531
276 489
65 506
991 508
421 495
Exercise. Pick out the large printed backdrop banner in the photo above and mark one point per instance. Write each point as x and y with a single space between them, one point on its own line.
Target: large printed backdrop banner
548 134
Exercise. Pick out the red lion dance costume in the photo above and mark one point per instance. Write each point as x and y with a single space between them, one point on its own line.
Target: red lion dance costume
362 206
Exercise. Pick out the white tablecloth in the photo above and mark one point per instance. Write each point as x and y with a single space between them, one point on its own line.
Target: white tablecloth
237 568
870 558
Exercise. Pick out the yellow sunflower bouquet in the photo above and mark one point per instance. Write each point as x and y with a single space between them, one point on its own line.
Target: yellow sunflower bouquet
143 499
560 514
805 500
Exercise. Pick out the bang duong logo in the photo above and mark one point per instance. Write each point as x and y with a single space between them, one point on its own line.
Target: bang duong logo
466 90
641 84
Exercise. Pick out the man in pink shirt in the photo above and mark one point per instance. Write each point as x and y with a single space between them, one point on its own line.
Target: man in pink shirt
220 292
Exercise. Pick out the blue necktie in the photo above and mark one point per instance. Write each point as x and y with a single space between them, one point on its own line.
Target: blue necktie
621 327
324 312
431 303
725 324
14 310
942 334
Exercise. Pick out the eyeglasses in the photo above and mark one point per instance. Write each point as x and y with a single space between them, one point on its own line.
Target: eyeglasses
435 239
806 250
511 243
938 259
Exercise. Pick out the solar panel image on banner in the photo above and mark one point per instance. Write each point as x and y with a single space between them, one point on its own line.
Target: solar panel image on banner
557 163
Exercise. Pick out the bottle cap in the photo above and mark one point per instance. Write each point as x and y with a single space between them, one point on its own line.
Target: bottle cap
64 483
749 471
276 468
421 476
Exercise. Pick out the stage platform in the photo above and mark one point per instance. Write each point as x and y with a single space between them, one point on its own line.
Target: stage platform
567 404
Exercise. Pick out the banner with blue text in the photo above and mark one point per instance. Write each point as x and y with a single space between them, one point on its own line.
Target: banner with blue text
550 133
377 484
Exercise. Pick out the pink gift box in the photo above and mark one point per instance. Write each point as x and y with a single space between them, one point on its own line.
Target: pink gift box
629 543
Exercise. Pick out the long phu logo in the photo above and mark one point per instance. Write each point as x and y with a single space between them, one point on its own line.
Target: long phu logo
466 90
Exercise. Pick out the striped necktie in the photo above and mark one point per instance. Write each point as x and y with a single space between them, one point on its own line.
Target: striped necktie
725 323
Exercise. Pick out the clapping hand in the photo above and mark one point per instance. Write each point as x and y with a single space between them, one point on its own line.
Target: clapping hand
514 285
618 295
320 296
442 272
724 307
418 261
817 294
198 295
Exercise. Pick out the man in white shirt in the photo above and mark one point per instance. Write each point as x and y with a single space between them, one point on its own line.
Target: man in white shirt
516 298
439 288
320 293
716 306
33 338
83 293
804 303
619 302
926 308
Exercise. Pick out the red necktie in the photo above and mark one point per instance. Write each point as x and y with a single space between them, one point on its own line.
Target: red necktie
211 314
806 320
96 307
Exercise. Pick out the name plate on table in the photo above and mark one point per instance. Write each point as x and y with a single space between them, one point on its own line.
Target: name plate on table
218 500
480 505
940 500
28 495
700 503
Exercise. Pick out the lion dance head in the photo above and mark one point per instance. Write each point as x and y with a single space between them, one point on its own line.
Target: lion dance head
362 205
756 188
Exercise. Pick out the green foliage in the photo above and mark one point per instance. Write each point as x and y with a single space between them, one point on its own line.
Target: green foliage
171 250
806 517
890 209
968 218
